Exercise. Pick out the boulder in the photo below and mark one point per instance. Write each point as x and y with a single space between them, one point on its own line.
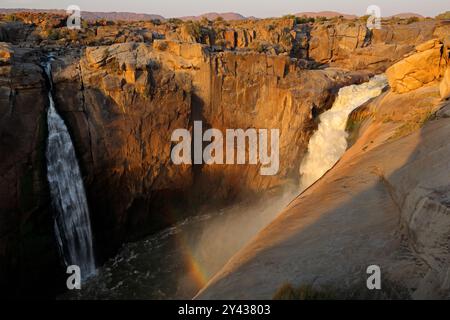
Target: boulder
230 38
417 69
6 53
431 44
444 86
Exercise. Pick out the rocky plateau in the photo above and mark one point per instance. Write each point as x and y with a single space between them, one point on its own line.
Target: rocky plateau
123 88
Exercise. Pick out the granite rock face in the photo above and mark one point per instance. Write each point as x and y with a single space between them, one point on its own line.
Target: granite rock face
445 85
123 89
122 103
424 66
336 42
28 256
387 205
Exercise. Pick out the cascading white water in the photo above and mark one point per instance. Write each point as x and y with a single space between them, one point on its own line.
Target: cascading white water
72 223
329 142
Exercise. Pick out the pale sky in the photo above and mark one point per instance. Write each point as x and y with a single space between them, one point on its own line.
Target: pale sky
258 8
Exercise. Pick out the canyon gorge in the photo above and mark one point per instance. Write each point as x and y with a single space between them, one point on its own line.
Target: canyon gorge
122 89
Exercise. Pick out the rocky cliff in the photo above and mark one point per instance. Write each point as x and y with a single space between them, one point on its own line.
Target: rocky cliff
122 103
123 89
340 42
387 204
27 248
428 63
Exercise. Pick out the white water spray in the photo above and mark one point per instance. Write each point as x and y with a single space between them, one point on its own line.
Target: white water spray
72 223
329 142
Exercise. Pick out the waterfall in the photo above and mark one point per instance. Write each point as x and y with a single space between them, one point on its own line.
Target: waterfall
329 142
72 224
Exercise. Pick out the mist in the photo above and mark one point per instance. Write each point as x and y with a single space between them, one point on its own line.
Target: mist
221 236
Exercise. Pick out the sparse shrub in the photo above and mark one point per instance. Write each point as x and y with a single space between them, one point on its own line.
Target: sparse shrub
411 125
335 19
156 22
161 45
219 19
221 43
304 292
443 16
286 39
84 24
260 47
11 17
204 21
193 28
321 19
412 20
356 291
54 34
364 18
73 35
175 21
285 292
289 16
101 22
304 19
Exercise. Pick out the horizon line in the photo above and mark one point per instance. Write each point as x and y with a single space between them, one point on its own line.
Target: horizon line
214 12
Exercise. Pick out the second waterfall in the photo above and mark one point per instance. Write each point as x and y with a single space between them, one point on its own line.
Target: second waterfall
72 222
329 142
